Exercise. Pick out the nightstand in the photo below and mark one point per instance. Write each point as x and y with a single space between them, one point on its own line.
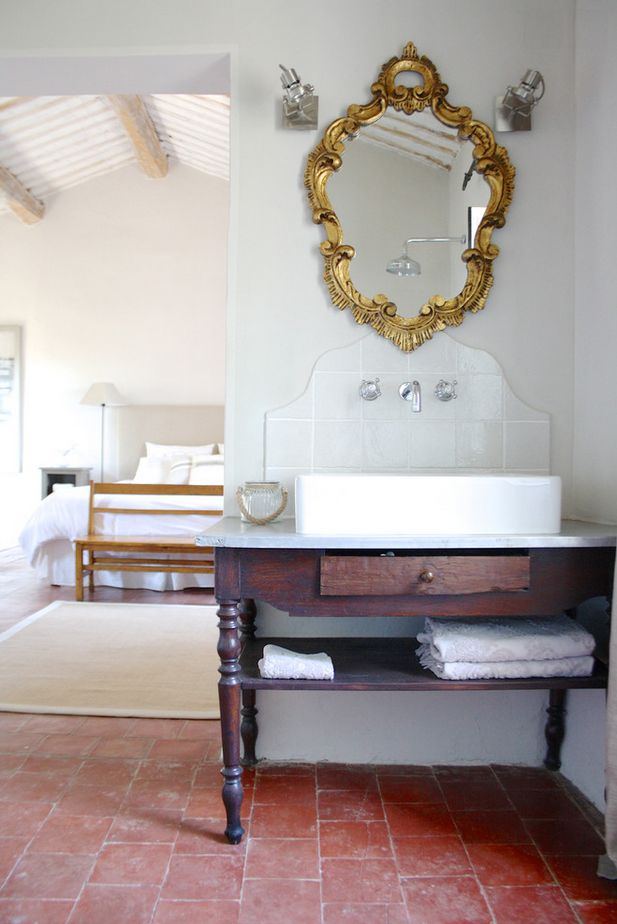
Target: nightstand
61 474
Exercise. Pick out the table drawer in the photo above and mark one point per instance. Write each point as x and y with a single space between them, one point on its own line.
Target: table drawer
381 575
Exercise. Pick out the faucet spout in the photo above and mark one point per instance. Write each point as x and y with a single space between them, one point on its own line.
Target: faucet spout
411 391
416 397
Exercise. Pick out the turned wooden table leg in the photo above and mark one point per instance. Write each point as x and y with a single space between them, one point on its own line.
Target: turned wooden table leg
229 698
248 612
555 728
248 728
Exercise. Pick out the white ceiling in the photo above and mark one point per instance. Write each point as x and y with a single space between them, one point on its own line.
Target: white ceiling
51 143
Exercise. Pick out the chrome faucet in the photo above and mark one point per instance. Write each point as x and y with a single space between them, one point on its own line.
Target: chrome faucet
411 391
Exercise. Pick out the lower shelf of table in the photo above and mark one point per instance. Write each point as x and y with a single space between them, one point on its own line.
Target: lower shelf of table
388 664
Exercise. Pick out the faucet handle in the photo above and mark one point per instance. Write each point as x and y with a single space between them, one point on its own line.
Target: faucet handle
369 389
445 391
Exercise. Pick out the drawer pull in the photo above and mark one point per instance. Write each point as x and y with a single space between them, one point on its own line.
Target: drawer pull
426 577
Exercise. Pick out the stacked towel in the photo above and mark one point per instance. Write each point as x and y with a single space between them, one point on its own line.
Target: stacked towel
283 664
478 649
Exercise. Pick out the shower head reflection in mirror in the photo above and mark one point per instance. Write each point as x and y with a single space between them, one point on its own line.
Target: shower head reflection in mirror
405 266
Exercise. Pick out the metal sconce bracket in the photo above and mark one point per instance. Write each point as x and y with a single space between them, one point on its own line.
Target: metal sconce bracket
300 106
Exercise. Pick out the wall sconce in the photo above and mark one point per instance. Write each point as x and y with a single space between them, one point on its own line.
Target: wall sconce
300 105
406 266
513 110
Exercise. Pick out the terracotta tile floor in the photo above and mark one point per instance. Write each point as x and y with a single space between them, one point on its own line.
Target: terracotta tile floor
120 820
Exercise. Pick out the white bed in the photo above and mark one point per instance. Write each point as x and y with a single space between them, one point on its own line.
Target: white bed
47 537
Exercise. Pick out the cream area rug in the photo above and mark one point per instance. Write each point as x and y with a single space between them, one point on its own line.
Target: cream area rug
112 659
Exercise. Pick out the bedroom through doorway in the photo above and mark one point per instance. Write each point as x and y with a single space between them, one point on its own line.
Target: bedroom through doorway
122 278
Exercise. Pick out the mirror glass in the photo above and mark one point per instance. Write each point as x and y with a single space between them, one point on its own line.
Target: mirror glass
408 165
410 171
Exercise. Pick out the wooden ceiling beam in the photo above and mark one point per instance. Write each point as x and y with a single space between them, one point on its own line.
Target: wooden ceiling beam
141 131
21 202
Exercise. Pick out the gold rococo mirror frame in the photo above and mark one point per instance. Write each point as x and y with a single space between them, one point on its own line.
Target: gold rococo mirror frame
491 161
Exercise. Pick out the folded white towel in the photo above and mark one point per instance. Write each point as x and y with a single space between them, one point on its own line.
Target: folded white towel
283 664
581 666
499 639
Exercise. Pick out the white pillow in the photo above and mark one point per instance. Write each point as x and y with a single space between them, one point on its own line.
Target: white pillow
220 448
162 451
206 470
152 471
179 469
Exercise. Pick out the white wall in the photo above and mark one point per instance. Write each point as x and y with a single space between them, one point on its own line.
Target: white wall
124 281
595 444
595 314
280 315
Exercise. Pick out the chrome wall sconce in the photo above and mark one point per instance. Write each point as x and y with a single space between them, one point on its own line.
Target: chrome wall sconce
300 105
513 109
406 266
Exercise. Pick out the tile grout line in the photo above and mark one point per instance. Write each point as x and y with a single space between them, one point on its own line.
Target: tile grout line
392 846
319 856
481 888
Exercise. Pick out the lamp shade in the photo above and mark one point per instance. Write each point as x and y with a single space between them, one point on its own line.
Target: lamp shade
103 393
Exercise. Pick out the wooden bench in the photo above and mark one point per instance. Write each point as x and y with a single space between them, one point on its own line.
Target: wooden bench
100 552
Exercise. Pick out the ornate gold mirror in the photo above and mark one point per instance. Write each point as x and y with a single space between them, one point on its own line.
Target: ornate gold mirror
422 177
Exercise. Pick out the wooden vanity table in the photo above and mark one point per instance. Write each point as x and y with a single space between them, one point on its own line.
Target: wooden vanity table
354 576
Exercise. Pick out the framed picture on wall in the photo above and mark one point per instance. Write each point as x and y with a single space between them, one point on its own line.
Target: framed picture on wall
10 399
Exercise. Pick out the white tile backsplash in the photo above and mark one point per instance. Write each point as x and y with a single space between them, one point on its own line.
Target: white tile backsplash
479 444
470 360
338 444
432 444
527 444
337 395
390 406
439 353
289 443
479 397
385 445
330 428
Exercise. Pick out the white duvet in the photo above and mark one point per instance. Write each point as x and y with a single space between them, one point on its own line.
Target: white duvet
47 538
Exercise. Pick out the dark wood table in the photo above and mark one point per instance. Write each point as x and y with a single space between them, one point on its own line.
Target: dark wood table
483 577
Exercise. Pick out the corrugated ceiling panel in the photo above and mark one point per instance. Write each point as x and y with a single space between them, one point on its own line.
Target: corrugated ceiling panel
51 143
419 136
194 130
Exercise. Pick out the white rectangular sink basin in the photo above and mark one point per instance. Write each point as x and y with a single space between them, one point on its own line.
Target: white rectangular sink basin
408 505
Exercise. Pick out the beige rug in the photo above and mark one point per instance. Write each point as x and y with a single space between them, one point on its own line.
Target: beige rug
112 659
